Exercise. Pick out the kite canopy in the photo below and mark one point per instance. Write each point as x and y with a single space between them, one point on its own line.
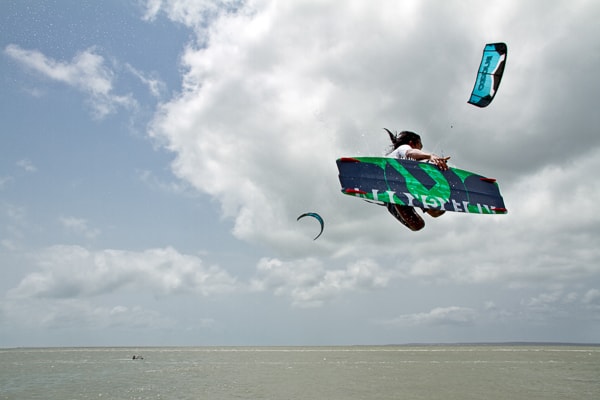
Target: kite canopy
317 217
489 74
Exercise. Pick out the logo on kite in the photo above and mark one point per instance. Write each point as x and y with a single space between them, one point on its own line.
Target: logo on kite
489 74
317 217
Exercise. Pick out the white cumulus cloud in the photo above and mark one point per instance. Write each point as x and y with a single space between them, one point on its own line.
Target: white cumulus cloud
309 284
73 271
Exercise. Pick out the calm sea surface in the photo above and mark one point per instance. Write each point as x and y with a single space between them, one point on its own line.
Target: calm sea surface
344 373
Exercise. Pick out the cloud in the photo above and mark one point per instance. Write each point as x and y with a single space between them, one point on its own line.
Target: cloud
79 226
75 272
261 136
452 315
561 304
4 180
197 13
67 314
309 284
86 72
8 244
168 186
14 224
544 300
156 86
26 165
592 297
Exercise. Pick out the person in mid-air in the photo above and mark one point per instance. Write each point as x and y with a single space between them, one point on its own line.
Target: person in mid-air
408 145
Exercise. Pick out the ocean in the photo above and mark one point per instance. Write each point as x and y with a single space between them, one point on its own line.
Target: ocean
276 373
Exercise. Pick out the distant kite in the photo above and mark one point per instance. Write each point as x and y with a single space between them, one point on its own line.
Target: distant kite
317 217
489 74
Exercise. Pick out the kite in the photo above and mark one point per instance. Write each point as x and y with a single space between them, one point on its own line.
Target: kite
489 74
317 217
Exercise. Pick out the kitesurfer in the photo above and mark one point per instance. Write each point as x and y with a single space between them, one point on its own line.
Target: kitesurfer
408 145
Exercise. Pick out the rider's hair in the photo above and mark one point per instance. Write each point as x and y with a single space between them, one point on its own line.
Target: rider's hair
404 137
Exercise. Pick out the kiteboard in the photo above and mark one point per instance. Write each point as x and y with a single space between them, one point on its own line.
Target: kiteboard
419 184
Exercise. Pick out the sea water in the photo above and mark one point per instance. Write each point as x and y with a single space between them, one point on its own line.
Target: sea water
344 373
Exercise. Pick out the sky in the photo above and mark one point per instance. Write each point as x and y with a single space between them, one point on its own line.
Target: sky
155 156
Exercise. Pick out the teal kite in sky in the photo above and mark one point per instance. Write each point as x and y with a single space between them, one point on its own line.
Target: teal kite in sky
489 74
317 217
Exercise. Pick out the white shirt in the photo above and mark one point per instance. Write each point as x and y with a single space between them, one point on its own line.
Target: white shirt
400 152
